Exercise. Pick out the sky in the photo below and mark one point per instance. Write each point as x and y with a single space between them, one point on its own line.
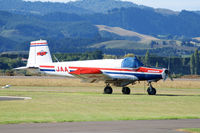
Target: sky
176 5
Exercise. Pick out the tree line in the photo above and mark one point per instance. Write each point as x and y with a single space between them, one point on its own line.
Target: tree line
178 65
195 63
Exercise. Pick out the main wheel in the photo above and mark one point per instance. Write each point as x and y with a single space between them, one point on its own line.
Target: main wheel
126 90
108 90
151 91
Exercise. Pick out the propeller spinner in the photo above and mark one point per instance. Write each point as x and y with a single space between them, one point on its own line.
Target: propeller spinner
167 74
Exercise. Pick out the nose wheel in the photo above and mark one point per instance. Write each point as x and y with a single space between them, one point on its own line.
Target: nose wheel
151 90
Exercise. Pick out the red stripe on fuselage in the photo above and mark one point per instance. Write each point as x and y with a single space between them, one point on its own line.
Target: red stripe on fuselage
38 43
48 66
149 70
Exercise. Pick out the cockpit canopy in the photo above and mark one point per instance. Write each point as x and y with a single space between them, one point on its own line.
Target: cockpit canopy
131 62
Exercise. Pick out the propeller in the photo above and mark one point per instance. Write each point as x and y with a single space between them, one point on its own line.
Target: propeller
167 74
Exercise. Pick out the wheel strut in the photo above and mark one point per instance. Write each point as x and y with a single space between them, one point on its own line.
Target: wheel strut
151 90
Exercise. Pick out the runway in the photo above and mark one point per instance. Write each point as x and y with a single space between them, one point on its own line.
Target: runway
139 126
9 98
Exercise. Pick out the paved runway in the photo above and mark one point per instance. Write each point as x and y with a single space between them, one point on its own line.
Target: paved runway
9 98
140 126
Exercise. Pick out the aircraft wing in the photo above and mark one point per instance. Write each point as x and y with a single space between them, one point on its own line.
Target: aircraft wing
94 75
90 75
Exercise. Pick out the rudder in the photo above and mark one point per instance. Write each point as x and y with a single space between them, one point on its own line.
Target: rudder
39 54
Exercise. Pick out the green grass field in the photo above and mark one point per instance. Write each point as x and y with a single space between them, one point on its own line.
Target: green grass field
191 130
85 102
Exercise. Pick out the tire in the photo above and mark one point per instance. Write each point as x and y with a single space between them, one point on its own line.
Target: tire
126 90
108 90
151 91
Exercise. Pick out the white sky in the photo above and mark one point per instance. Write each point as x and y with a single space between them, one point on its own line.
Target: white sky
65 1
176 5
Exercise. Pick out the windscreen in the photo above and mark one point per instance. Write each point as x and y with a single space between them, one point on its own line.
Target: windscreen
131 62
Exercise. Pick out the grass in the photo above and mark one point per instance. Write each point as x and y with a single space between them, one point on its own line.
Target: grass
70 82
85 102
191 130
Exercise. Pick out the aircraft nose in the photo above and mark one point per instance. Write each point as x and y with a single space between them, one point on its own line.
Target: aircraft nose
166 74
166 71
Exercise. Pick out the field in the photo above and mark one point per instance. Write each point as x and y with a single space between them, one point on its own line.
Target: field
191 130
67 100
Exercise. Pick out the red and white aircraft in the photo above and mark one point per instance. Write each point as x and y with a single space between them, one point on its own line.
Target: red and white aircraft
119 72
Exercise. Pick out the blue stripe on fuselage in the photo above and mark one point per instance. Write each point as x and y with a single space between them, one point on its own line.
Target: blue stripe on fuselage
140 76
47 70
38 45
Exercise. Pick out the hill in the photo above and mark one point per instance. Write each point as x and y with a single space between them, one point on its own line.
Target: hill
103 6
7 44
128 27
77 7
113 13
27 7
73 33
197 38
124 34
120 44
22 28
150 22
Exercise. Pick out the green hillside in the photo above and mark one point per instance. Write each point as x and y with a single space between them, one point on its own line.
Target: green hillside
7 44
39 8
103 6
131 27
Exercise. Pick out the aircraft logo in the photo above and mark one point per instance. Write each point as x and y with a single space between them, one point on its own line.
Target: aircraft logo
41 53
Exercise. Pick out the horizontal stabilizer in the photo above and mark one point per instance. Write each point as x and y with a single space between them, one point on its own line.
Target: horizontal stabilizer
25 68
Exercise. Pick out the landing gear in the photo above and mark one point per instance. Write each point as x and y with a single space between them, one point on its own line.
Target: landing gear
126 90
108 89
151 90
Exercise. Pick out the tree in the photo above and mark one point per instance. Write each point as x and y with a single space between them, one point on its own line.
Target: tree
147 58
192 64
196 59
157 64
97 54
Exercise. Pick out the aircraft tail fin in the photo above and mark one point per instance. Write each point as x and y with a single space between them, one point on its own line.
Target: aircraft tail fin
39 54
